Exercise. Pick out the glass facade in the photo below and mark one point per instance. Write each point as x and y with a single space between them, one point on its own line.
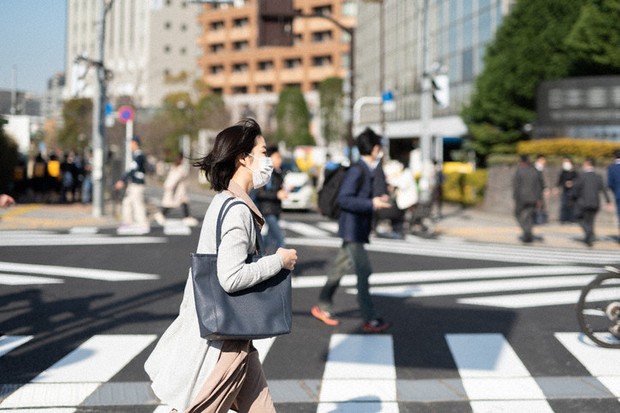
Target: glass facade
458 33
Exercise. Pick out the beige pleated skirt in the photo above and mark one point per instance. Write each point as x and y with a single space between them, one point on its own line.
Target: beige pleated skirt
238 383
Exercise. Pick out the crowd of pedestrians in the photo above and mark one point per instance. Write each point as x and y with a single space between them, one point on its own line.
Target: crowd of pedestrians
580 195
57 177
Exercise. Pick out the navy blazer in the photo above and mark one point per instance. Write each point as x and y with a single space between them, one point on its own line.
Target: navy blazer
613 178
355 200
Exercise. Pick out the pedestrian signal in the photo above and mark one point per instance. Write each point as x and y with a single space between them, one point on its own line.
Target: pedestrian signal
441 90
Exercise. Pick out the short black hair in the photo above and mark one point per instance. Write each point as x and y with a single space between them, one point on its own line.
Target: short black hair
367 140
271 149
617 153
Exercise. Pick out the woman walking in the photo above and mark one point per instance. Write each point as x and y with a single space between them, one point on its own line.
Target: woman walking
192 374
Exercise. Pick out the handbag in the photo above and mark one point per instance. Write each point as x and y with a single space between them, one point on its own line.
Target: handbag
261 311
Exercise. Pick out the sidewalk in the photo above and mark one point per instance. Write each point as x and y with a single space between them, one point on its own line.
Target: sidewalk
473 225
480 226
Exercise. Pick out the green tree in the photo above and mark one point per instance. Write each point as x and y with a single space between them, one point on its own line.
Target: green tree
528 48
78 120
331 98
180 115
293 118
594 41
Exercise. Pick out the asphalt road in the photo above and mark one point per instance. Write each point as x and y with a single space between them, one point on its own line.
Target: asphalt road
477 327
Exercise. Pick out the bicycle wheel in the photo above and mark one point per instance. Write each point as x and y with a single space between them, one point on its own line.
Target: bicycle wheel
598 310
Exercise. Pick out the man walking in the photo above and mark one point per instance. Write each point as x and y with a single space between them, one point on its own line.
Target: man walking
587 203
133 208
528 196
613 183
354 224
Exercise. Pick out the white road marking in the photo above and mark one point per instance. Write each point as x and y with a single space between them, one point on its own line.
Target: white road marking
492 374
75 272
77 375
359 369
8 343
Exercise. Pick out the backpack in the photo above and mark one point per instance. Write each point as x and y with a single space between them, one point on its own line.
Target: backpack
328 194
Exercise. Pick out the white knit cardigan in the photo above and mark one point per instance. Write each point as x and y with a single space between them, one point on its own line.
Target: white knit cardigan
182 360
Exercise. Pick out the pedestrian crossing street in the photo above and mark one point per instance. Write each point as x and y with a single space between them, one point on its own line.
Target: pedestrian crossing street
360 374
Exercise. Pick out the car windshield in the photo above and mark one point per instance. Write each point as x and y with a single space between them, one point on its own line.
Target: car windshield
289 165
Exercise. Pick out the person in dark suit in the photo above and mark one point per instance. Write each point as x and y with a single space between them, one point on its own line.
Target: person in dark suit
269 199
613 183
587 203
357 202
528 196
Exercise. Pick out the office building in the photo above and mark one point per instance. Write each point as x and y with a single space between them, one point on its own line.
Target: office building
150 48
458 33
251 77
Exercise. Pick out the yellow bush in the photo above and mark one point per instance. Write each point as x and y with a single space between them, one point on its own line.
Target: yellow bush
465 188
577 148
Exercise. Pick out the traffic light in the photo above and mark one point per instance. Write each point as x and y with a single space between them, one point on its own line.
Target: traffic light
275 22
441 90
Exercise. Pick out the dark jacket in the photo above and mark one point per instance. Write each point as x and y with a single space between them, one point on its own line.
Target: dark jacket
613 178
137 170
355 199
267 196
586 191
527 186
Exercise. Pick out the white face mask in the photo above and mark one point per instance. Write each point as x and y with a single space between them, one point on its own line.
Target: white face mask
262 175
567 166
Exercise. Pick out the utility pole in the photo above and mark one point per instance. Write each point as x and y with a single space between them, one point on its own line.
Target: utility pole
99 100
426 110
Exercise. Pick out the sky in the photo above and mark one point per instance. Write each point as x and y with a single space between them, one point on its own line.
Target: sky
32 38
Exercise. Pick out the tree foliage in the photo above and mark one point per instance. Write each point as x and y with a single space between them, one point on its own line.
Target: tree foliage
594 40
8 159
332 102
293 118
178 116
78 124
528 48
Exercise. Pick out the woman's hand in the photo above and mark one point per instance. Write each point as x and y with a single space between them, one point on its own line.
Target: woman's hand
288 256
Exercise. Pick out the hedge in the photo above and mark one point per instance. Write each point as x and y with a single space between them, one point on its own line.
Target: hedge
575 148
466 189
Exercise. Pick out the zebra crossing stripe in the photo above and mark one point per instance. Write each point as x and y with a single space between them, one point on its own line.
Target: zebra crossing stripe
75 272
493 376
303 229
18 279
76 376
359 371
8 343
602 363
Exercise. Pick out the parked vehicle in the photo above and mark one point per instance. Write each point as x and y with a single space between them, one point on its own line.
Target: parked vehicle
298 185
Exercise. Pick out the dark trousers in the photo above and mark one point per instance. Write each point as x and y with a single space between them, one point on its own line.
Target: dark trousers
587 223
525 217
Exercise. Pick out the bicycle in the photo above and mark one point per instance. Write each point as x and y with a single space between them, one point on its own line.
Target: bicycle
598 309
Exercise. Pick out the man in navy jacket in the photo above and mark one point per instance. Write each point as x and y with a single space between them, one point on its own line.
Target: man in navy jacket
613 182
357 205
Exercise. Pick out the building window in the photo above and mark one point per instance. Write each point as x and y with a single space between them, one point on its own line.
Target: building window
242 22
183 51
216 25
297 85
322 10
325 36
265 65
292 63
321 60
216 48
240 89
184 27
167 25
240 67
215 69
241 45
216 90
297 39
167 49
264 88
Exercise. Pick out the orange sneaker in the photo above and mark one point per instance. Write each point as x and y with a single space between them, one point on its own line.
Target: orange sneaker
324 316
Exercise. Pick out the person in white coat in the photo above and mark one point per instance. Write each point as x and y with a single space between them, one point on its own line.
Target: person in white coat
192 374
175 193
